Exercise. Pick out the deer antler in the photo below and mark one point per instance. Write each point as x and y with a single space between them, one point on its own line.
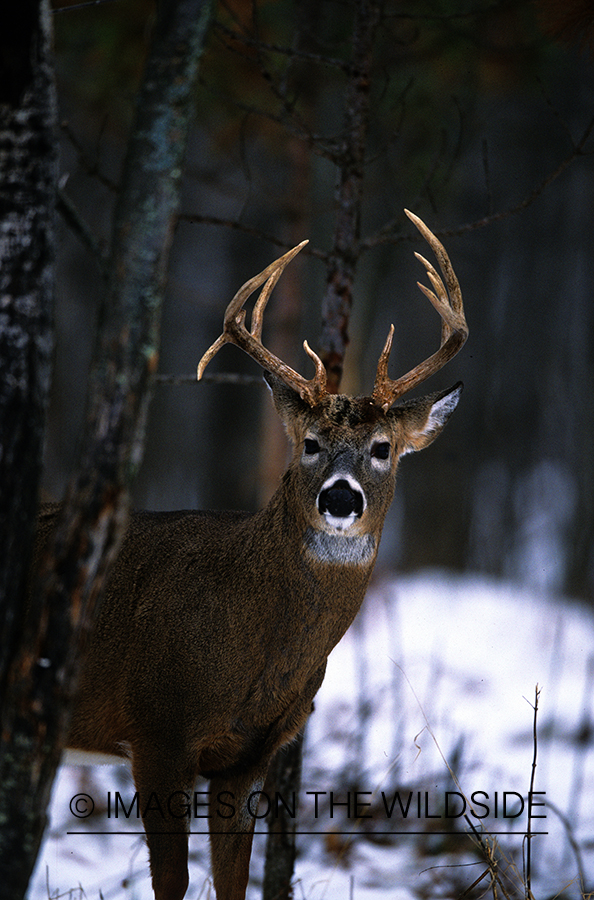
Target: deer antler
454 329
235 332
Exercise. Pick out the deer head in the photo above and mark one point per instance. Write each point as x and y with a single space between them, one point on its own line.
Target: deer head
345 449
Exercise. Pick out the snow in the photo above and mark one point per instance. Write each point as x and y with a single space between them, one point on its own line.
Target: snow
431 691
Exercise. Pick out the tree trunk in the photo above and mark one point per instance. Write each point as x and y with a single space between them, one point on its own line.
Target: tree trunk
27 203
285 778
43 666
338 297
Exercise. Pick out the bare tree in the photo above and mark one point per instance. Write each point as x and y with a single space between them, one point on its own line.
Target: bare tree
41 656
27 203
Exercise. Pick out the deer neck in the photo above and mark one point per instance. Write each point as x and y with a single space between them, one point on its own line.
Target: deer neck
332 557
318 590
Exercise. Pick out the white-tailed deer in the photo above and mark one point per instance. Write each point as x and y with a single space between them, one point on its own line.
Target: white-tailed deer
214 632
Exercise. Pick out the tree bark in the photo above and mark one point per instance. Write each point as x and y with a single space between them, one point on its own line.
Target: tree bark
44 665
338 297
27 203
284 777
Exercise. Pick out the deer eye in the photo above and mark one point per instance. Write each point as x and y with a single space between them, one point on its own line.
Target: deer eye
311 446
380 450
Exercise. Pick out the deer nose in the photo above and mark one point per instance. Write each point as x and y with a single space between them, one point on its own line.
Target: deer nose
340 500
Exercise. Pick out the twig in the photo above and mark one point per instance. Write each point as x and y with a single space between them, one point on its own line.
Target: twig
235 225
291 52
442 17
388 232
476 881
90 166
215 378
487 171
68 8
578 150
488 850
288 118
241 44
81 229
528 861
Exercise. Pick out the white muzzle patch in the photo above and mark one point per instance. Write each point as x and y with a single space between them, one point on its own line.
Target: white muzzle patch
341 501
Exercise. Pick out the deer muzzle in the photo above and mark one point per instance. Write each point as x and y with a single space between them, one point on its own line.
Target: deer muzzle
341 501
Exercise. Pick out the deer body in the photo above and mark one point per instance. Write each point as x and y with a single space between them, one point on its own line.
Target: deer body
266 639
213 636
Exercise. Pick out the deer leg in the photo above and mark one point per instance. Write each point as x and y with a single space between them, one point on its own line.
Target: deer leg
165 790
233 806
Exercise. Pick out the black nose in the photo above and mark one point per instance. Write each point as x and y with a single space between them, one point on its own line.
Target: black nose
340 500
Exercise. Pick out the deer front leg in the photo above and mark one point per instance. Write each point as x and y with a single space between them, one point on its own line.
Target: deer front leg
165 788
233 803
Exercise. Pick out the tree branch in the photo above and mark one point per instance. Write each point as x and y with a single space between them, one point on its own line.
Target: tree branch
389 232
80 228
236 225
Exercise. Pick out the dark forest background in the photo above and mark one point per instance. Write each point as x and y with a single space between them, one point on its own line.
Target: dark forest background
480 122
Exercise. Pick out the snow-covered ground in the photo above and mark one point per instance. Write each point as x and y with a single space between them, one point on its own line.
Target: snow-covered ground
431 694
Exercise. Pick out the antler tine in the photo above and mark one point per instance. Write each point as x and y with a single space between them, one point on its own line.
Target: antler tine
454 330
236 332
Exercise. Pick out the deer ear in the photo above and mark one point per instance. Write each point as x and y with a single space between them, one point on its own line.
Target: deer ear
420 421
287 401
